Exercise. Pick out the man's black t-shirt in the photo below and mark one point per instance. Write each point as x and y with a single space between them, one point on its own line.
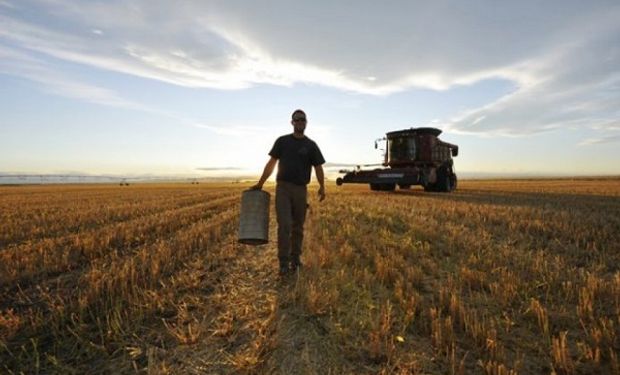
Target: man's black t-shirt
296 157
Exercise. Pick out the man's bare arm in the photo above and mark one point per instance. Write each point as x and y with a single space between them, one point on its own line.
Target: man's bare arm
267 171
320 177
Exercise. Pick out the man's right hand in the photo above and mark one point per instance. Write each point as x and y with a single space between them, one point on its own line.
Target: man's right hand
257 187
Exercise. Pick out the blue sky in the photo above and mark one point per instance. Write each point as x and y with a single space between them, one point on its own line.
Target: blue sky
158 87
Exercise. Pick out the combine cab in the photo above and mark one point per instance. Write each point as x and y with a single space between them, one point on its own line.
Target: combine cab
412 157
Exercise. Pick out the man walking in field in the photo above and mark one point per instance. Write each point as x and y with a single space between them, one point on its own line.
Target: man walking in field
295 154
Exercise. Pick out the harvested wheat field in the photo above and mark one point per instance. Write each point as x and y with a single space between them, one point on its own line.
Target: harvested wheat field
499 277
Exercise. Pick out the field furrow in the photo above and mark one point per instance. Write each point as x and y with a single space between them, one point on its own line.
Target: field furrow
119 285
50 256
84 215
463 274
500 277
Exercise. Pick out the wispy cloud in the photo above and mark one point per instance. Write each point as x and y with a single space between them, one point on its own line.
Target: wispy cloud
615 138
17 63
231 130
575 85
27 66
564 64
219 169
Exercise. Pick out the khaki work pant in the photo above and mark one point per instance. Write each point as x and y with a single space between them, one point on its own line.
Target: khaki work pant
291 213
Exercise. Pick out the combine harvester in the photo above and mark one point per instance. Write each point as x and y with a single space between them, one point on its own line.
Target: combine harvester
412 157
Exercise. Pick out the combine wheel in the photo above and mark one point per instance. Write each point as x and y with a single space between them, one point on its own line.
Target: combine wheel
453 182
443 183
339 181
382 187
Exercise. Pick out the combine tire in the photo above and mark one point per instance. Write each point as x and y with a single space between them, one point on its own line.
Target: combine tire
453 182
389 187
382 187
444 182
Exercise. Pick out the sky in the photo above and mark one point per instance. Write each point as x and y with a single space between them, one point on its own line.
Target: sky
205 87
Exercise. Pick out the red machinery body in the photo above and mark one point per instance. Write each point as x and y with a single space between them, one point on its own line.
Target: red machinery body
412 157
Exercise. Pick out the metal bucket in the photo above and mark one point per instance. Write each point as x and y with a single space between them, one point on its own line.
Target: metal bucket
254 217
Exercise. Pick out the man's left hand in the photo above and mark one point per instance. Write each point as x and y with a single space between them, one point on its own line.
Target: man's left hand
321 193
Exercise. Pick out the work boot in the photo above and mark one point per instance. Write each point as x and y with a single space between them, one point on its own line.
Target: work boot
296 265
284 270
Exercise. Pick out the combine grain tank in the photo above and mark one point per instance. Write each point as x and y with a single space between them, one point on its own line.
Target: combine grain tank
412 157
